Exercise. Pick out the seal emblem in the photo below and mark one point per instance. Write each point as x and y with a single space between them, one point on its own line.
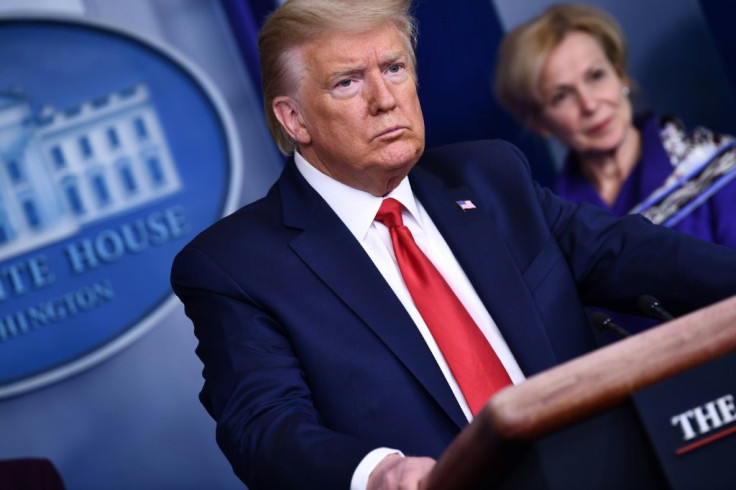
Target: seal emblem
114 152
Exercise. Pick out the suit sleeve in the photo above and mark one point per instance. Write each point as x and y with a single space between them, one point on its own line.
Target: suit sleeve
612 260
255 388
724 219
616 260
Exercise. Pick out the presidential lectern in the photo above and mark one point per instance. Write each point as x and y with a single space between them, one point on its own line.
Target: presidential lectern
655 410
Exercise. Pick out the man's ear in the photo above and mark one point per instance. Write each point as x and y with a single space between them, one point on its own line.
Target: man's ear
287 112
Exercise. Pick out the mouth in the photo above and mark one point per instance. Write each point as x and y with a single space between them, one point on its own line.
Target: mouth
391 132
600 127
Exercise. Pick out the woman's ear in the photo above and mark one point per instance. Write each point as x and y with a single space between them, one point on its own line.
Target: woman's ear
537 124
287 112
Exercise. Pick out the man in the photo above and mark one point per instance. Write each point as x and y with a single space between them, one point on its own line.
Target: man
322 368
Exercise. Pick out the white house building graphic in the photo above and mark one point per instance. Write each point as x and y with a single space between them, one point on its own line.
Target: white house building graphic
63 169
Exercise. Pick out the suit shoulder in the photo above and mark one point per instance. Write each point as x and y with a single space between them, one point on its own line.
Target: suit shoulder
253 219
471 146
462 160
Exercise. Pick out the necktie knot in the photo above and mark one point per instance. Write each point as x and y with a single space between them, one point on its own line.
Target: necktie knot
390 213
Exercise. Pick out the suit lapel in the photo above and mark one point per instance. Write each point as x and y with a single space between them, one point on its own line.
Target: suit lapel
476 242
329 249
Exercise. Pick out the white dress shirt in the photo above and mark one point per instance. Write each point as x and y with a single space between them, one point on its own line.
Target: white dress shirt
357 209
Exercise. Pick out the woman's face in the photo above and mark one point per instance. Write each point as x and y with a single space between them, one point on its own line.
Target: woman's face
584 103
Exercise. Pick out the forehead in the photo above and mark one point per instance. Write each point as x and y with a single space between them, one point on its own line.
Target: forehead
339 50
576 52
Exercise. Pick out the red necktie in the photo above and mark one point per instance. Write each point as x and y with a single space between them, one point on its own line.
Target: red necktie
473 363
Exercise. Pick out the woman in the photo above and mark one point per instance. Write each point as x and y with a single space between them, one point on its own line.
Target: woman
563 74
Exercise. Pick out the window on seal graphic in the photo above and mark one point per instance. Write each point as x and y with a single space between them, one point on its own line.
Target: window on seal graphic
57 156
73 198
15 171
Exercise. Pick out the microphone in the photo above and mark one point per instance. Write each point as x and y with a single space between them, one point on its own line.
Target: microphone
653 308
604 322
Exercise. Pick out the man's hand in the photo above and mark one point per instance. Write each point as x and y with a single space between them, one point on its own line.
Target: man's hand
396 472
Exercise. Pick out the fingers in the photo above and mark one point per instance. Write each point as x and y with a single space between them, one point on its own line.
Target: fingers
395 472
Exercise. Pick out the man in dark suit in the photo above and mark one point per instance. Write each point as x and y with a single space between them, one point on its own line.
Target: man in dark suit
322 365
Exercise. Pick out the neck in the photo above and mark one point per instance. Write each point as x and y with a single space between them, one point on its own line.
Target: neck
378 180
608 171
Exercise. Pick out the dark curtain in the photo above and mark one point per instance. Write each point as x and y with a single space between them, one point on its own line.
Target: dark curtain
245 18
719 15
456 58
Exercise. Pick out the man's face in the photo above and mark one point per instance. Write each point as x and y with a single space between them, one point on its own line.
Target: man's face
356 115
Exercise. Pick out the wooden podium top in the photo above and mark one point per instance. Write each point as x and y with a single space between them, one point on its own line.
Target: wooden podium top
582 388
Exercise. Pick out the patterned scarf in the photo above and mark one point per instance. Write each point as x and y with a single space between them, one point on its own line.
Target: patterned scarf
702 161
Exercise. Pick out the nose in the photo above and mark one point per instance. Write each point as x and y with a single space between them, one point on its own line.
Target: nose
587 100
380 95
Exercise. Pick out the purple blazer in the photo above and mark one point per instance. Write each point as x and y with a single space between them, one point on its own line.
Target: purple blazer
714 220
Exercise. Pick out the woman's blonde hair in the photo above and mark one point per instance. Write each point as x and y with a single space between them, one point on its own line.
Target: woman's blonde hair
525 50
297 22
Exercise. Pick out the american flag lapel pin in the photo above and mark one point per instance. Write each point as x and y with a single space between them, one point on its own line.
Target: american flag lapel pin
465 205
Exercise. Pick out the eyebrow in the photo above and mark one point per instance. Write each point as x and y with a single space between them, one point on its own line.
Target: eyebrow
392 58
388 60
595 64
345 72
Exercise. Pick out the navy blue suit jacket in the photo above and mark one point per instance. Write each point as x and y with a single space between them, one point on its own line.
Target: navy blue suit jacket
310 361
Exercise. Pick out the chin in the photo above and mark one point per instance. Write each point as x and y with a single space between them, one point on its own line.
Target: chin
401 156
605 144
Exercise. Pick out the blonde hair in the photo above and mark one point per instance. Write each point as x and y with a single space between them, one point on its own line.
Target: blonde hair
299 21
525 50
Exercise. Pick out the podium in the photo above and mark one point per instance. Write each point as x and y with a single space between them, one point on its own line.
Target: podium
691 422
677 379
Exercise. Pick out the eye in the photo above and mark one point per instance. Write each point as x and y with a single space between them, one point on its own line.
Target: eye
346 87
395 68
396 72
557 98
597 74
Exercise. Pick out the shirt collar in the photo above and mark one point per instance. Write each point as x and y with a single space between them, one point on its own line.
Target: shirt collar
356 208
